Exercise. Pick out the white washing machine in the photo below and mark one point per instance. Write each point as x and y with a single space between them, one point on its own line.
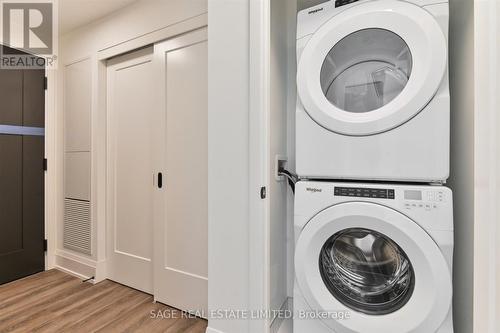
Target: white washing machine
373 258
373 97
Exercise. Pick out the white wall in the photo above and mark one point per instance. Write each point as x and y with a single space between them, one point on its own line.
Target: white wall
142 17
228 159
462 157
137 25
278 190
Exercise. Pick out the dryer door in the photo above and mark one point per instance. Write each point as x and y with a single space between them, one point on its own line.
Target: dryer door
374 267
372 67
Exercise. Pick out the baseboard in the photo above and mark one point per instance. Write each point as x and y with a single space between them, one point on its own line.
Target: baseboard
70 272
212 330
83 268
100 271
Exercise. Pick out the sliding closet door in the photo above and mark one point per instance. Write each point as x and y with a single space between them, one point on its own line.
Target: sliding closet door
181 260
130 171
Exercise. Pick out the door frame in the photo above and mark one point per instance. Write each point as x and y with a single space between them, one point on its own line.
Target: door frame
486 309
51 179
259 150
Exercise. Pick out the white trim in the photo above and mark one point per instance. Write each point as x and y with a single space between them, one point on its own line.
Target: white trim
51 175
99 160
212 330
80 266
486 124
75 265
259 101
70 272
152 37
76 257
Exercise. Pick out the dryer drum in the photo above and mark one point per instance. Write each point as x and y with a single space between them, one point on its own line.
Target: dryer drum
366 70
366 271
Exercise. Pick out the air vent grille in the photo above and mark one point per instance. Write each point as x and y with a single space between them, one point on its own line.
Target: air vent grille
77 227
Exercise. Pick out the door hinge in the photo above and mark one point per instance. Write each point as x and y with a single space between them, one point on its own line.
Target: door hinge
263 192
45 164
45 245
45 83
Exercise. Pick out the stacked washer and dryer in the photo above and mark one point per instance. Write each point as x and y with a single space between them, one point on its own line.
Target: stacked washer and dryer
373 221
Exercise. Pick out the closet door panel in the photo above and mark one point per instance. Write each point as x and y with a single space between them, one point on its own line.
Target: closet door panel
130 189
181 225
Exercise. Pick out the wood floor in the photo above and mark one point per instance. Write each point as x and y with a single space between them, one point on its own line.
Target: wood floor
54 302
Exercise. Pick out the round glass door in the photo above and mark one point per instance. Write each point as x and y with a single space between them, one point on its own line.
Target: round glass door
366 271
366 70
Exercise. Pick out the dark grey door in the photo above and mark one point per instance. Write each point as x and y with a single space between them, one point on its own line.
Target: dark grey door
22 119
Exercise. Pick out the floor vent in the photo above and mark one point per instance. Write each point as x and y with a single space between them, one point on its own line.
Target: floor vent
77 227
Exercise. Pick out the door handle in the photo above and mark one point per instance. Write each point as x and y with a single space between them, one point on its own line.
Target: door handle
160 180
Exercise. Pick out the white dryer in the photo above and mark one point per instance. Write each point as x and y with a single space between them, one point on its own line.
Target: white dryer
373 258
372 91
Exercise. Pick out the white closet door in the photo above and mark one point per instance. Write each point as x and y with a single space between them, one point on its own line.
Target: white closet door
181 204
130 170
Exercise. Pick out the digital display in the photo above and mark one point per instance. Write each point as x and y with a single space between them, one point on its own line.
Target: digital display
413 195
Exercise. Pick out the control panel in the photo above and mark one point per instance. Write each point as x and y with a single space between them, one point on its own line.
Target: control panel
339 3
363 192
425 200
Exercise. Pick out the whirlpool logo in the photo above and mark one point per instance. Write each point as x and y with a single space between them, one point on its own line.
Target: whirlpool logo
314 11
313 189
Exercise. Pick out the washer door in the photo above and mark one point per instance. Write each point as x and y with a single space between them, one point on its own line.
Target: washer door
375 264
372 67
